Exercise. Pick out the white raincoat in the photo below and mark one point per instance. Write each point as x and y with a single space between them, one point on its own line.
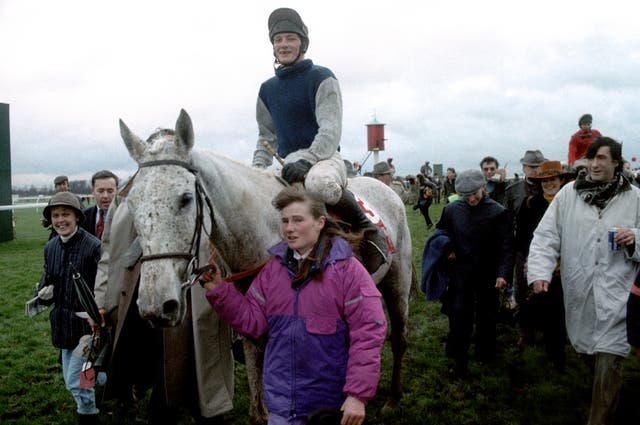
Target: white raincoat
596 281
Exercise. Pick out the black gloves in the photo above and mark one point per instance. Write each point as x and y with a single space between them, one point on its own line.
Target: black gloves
295 171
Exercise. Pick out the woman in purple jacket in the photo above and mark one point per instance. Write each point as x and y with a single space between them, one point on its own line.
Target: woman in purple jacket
321 311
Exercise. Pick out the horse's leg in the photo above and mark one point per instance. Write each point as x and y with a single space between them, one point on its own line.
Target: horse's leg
396 297
254 359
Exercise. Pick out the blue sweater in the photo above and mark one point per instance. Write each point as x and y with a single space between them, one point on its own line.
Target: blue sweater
290 97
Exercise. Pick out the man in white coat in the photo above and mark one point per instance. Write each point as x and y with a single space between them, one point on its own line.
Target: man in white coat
596 280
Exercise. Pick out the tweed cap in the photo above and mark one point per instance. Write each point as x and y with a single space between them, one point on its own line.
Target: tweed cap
60 179
64 199
381 168
469 181
533 158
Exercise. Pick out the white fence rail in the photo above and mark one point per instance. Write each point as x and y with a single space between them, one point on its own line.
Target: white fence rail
41 201
22 206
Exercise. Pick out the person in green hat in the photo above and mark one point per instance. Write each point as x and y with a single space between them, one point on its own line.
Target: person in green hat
299 115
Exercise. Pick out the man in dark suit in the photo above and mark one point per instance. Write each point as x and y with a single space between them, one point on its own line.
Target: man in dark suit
104 186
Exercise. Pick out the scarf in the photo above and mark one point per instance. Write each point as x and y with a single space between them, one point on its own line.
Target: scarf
599 194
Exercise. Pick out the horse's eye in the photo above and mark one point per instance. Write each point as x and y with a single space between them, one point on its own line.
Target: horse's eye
186 199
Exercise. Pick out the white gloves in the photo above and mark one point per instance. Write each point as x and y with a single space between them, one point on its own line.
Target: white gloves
46 293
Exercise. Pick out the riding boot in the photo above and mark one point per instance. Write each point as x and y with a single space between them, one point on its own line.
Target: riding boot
373 248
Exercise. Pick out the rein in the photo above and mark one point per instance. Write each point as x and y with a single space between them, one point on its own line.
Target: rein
194 250
201 198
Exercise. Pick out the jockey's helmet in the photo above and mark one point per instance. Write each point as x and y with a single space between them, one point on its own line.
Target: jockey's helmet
285 19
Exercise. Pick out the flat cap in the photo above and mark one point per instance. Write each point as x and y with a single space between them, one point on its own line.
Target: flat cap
469 181
60 179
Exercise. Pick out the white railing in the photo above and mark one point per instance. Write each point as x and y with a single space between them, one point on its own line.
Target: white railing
41 202
23 206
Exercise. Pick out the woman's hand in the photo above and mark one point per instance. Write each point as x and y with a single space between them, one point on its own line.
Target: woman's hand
211 278
352 412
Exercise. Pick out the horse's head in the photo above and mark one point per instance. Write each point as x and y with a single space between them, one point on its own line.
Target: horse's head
165 206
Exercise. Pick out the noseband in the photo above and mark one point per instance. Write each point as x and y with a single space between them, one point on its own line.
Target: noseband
201 198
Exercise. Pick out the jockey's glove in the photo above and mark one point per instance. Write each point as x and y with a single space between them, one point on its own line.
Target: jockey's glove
46 293
294 172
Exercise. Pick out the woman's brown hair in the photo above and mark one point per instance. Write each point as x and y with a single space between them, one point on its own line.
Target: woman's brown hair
331 230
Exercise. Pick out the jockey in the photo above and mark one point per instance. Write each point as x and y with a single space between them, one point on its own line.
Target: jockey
299 113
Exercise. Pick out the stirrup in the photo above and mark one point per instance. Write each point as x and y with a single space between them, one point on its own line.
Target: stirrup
373 257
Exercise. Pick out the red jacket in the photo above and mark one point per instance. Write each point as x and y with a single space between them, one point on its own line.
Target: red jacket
579 143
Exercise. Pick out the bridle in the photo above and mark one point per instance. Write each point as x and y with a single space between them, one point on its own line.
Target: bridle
194 250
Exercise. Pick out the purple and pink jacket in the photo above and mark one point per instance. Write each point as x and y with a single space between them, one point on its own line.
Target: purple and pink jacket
325 336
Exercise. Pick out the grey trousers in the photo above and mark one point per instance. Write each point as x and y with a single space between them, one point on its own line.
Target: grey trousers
607 383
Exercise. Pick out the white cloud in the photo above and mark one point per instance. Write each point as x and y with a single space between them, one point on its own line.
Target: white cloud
452 80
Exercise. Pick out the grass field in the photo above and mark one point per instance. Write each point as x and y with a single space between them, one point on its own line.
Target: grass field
518 389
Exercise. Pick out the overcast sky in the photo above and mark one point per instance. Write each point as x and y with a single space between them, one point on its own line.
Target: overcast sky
452 80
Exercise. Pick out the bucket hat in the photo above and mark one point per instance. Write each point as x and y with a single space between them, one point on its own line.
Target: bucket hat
64 199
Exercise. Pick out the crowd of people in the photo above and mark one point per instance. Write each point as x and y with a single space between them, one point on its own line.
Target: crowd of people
564 239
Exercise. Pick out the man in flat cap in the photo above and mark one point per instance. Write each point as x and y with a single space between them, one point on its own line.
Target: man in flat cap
581 140
482 264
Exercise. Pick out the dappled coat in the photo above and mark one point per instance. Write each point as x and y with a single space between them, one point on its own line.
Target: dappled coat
201 342
596 281
325 336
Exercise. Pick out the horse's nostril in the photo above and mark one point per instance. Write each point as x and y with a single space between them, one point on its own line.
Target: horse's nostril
170 308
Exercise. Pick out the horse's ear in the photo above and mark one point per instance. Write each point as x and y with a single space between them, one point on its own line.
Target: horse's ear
184 130
134 144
